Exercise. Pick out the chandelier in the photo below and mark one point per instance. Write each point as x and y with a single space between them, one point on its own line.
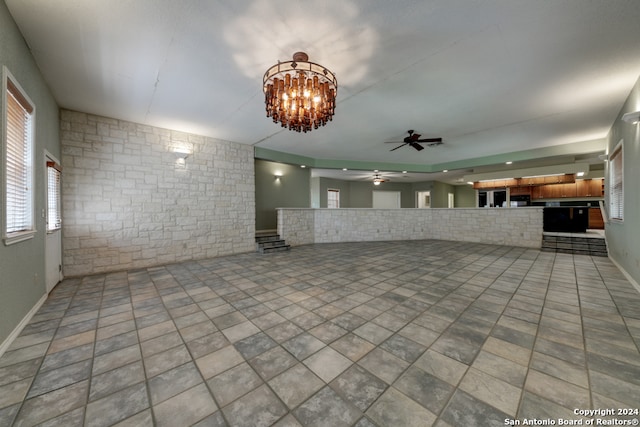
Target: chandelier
300 95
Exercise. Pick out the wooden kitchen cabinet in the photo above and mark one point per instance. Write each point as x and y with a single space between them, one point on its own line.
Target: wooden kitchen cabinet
597 187
520 191
537 193
589 187
551 191
595 219
583 187
568 190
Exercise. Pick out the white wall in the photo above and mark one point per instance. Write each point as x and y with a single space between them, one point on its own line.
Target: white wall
129 203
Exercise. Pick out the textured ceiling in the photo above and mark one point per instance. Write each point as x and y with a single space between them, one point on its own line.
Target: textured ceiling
488 76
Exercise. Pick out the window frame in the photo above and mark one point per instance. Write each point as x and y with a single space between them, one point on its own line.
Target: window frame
10 83
616 183
336 191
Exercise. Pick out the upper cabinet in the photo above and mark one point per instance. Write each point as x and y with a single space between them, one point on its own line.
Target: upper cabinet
558 187
580 189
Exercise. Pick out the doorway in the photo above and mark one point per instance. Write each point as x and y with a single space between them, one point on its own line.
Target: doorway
53 239
386 200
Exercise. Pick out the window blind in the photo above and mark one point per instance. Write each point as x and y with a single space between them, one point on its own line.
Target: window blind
54 211
616 195
19 210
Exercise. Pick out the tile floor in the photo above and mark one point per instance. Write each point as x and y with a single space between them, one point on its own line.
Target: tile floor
413 333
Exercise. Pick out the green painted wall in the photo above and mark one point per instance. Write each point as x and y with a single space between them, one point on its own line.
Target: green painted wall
439 192
623 238
335 184
361 195
291 190
465 196
22 264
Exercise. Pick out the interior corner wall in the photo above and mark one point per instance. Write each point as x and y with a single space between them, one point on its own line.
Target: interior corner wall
130 202
315 192
623 238
440 194
291 190
22 264
465 196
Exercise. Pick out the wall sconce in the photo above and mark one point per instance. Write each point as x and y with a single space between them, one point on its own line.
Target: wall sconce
633 117
277 175
181 155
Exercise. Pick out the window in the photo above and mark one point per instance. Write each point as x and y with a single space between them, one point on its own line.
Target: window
54 212
333 198
18 115
616 177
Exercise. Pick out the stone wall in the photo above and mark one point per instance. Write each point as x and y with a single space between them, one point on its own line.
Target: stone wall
130 202
515 227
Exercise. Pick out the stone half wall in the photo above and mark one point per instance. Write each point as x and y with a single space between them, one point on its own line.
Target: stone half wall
130 202
504 226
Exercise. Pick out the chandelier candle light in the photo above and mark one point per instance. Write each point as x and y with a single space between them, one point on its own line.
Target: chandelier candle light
299 94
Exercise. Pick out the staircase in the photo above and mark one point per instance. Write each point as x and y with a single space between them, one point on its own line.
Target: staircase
267 242
574 244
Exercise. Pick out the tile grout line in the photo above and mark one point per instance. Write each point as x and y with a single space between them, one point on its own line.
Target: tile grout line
535 340
489 334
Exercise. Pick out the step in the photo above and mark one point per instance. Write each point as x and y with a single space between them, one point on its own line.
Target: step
270 244
269 249
574 245
267 238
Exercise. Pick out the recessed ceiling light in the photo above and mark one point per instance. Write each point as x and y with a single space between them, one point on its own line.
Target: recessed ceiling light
404 171
345 169
446 170
508 163
376 170
303 166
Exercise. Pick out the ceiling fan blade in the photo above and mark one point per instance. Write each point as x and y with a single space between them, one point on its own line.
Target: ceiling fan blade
399 146
429 140
417 146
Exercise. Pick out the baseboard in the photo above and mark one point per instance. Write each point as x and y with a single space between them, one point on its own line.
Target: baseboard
14 334
627 275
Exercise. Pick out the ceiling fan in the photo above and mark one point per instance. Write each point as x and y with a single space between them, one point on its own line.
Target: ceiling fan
414 141
377 179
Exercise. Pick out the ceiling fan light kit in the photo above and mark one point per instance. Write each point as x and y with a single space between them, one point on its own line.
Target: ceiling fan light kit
413 140
300 95
377 179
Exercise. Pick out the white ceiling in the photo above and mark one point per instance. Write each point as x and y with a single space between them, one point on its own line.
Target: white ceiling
488 76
